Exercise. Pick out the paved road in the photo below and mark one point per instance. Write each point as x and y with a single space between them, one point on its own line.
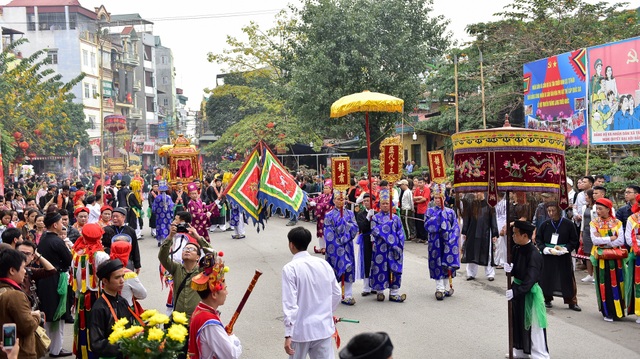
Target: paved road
471 324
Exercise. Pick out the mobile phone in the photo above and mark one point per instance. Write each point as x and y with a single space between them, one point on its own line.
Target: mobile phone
8 335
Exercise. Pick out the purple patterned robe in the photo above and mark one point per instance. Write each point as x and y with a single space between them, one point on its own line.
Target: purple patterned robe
339 233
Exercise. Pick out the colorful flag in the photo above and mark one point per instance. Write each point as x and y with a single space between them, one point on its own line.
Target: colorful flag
278 187
244 186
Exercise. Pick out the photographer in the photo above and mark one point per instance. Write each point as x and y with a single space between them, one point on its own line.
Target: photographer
180 260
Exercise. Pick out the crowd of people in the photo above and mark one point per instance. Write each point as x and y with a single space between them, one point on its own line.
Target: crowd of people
76 244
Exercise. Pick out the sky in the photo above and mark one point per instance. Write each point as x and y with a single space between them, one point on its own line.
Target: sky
193 28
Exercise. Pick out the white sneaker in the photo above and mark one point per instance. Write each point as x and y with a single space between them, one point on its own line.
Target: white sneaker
638 320
607 319
588 279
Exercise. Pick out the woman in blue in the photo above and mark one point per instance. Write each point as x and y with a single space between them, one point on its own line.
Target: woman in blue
388 246
163 209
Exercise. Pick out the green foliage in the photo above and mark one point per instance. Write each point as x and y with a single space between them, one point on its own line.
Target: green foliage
230 165
375 168
35 103
347 46
576 162
527 31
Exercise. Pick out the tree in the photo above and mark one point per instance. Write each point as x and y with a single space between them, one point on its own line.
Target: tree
35 104
347 46
529 30
250 106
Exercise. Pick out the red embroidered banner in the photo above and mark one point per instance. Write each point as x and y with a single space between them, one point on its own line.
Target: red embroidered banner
340 172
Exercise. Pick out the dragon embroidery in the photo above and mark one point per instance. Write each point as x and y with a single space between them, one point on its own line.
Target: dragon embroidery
545 167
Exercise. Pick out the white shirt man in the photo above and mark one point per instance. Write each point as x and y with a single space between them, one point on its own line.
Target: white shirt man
310 295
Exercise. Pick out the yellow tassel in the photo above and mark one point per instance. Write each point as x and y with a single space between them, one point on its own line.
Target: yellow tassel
84 286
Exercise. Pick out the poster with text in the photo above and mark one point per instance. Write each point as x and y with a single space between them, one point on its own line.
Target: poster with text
614 91
555 95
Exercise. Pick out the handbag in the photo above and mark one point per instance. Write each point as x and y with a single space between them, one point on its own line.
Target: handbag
611 253
43 342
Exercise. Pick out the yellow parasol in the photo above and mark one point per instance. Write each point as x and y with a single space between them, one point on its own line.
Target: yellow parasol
366 102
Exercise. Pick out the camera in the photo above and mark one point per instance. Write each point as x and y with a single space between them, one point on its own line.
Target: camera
182 228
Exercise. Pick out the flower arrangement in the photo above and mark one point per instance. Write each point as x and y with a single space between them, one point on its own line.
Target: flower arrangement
151 340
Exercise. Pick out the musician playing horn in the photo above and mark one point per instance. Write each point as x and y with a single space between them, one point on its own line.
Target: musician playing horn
207 335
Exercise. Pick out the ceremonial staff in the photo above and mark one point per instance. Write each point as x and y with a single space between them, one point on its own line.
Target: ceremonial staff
229 327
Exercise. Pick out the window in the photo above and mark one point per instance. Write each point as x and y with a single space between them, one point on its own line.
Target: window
147 53
148 78
94 91
85 57
87 94
164 60
153 131
415 153
92 122
53 55
150 105
93 59
165 80
166 102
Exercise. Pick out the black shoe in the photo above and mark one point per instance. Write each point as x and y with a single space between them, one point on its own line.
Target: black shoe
63 353
471 278
159 244
69 320
548 304
491 279
575 307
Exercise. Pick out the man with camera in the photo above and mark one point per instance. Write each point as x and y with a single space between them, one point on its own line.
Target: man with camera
179 255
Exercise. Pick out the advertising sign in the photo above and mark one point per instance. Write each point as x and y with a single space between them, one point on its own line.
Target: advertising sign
555 95
614 91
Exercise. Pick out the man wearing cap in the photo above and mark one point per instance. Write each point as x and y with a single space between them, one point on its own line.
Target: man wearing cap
388 246
183 299
207 335
443 230
162 209
529 314
340 229
119 229
109 308
53 249
557 238
405 203
368 346
363 218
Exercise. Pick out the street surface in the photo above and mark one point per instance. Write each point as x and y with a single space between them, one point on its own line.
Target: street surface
470 324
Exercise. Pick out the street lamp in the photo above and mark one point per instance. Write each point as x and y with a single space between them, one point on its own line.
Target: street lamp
415 136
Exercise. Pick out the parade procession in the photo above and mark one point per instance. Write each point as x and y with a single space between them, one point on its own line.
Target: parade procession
319 179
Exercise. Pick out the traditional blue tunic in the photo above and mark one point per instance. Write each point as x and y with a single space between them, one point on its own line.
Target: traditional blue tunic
163 209
235 215
339 233
444 253
388 246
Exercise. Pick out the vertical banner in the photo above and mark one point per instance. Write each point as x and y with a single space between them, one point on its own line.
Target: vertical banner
614 91
340 173
555 95
437 166
391 159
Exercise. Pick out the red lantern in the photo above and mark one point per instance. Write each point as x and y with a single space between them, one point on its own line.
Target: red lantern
32 154
17 135
24 145
37 132
271 125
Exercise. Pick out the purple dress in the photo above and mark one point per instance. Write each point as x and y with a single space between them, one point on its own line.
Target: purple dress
323 206
200 220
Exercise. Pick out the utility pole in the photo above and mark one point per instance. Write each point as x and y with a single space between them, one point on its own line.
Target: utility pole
484 115
455 78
